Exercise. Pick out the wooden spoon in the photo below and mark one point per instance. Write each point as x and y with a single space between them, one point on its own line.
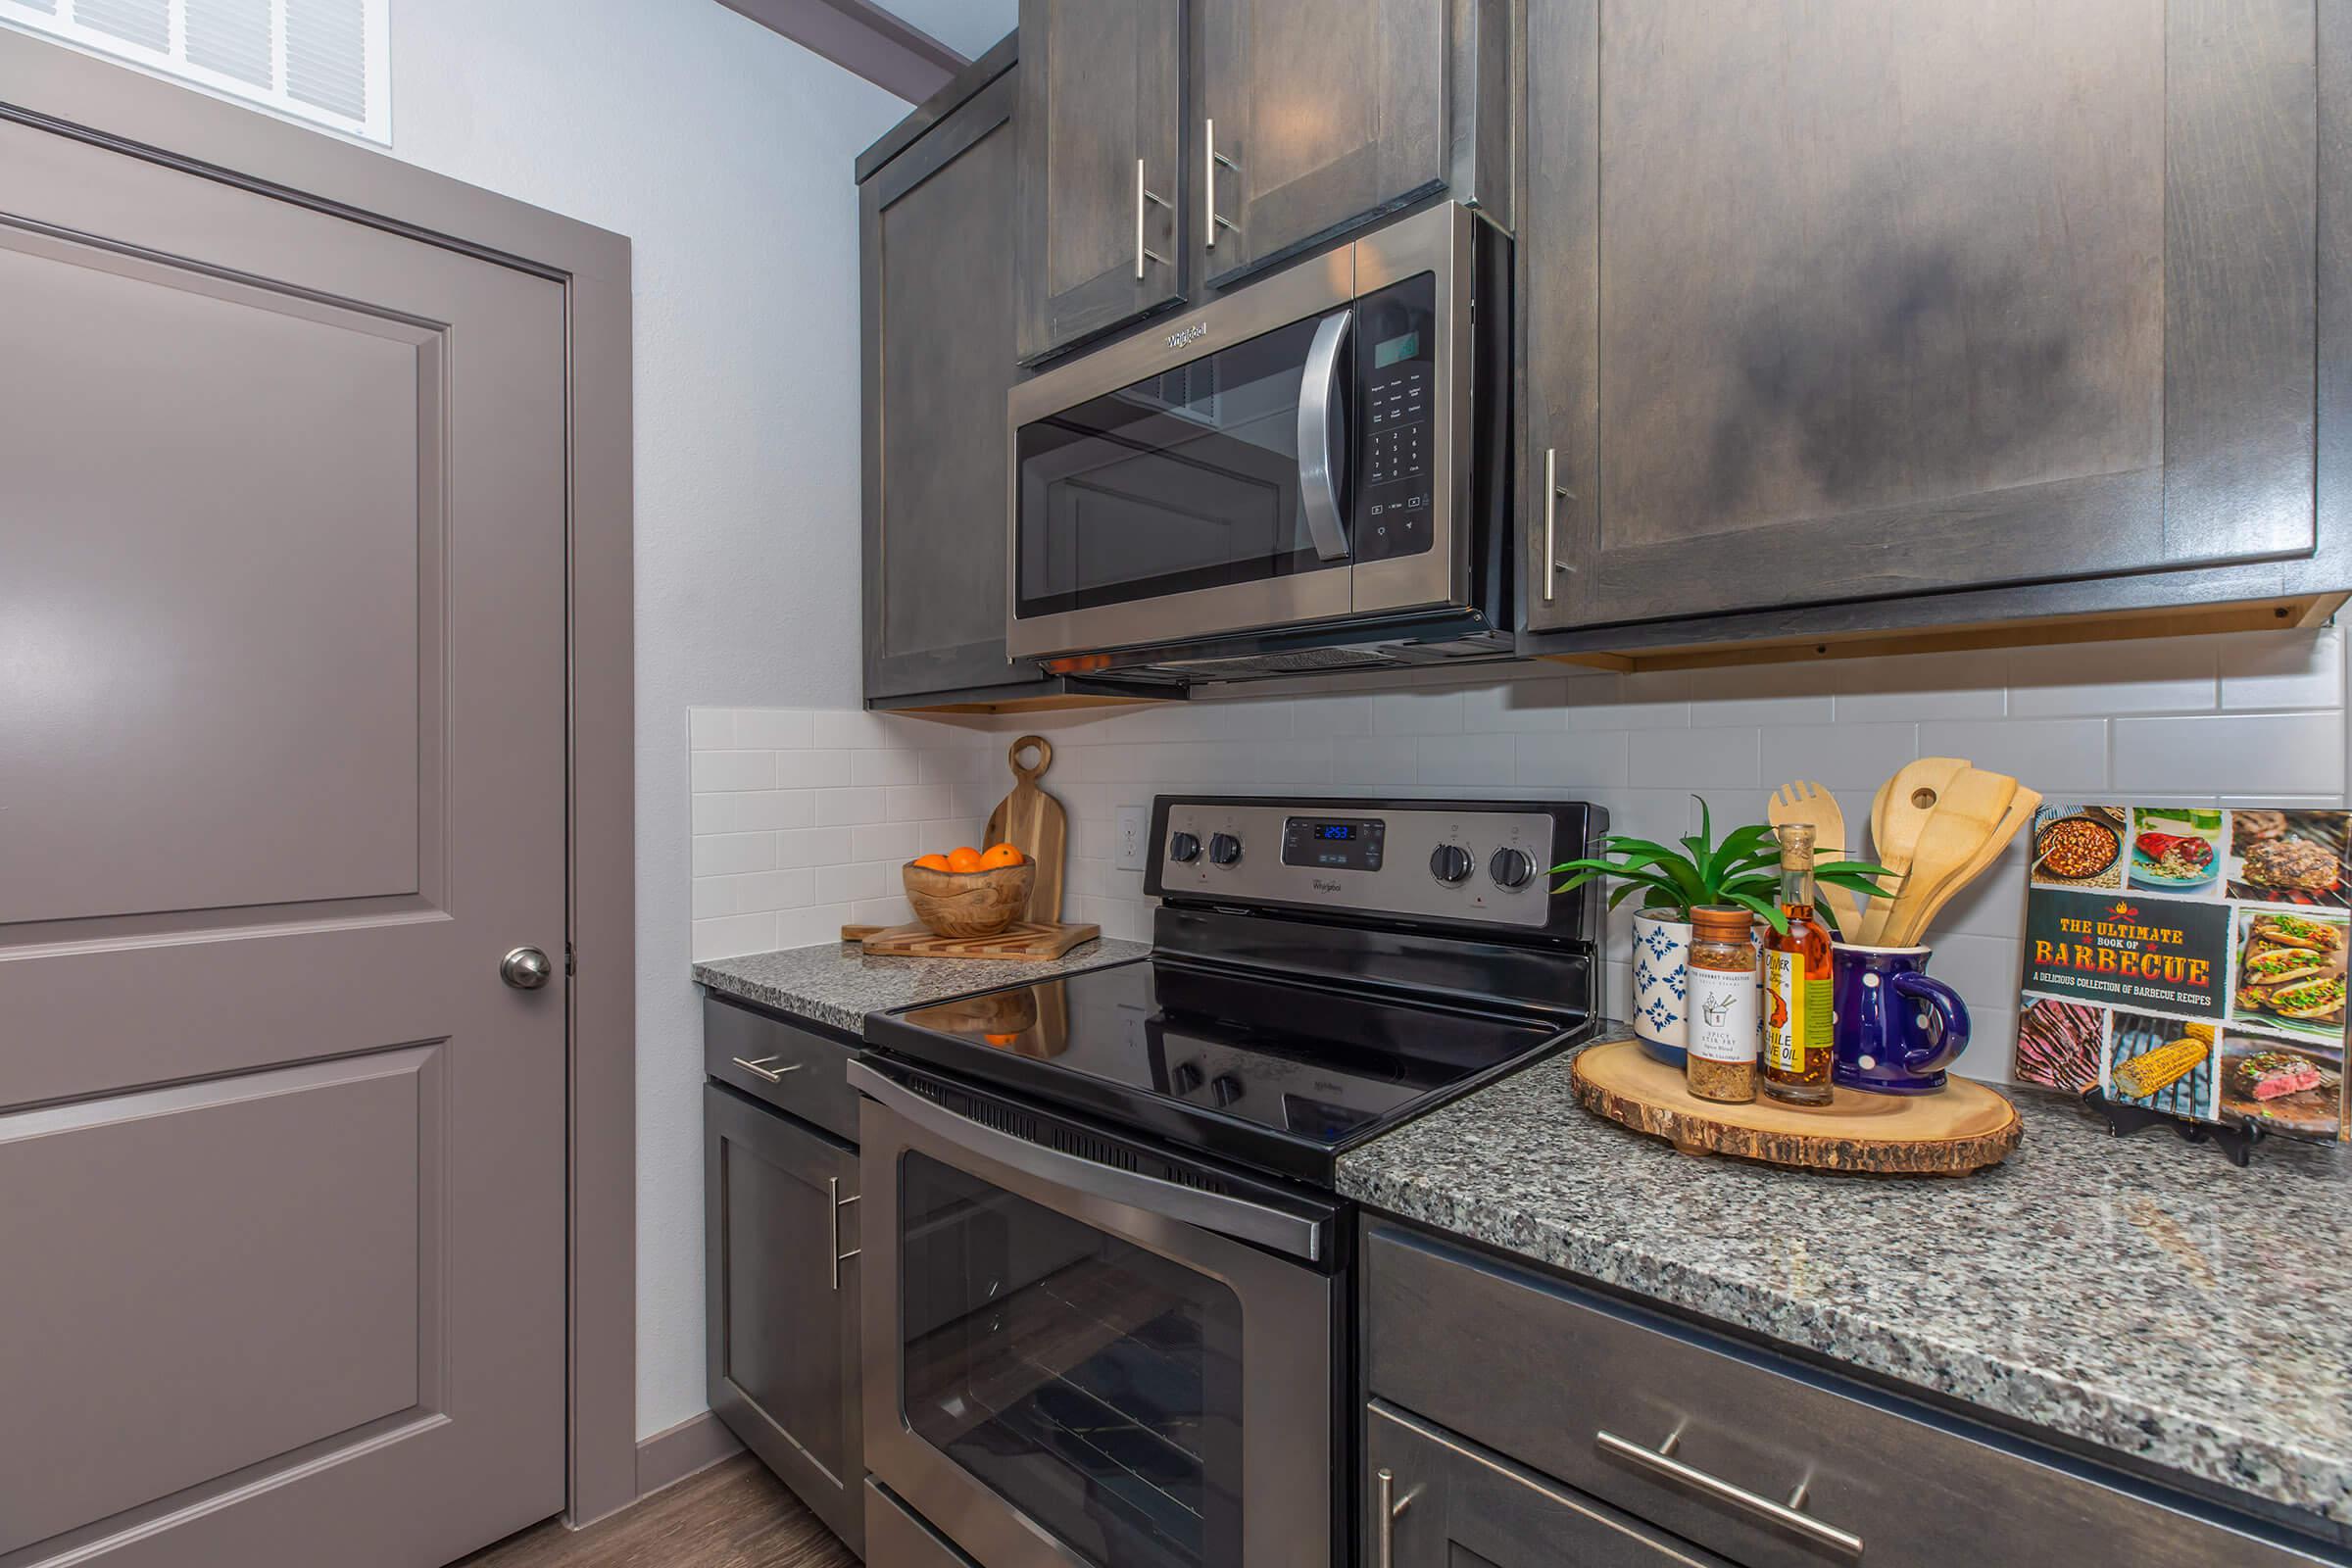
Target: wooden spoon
2021 811
1897 816
1807 801
1968 811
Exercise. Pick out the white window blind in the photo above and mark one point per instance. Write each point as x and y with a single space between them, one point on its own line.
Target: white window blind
323 60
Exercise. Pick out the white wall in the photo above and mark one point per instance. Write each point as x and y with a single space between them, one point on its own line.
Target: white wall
724 153
2255 719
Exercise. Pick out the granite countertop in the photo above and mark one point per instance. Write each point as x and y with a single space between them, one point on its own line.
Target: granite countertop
2141 1294
835 983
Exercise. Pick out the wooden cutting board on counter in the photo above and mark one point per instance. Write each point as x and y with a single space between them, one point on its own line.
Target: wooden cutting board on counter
1962 1128
1033 823
1023 938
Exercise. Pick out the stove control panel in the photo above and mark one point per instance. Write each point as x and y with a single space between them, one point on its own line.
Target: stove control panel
1481 862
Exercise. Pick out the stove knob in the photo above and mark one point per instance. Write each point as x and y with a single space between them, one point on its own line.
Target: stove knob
1226 1087
1450 864
1184 848
1224 848
1187 1077
1511 869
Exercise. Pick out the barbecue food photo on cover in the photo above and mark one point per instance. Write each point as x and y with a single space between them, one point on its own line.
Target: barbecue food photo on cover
2289 858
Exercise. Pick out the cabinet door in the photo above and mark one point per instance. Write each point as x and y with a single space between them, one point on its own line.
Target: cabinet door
1829 300
937 242
1455 1505
1323 111
779 1212
1102 182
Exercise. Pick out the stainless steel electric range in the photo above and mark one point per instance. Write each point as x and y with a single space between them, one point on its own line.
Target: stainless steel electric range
1106 1289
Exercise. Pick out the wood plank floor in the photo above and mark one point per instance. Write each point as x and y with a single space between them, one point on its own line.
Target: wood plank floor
733 1516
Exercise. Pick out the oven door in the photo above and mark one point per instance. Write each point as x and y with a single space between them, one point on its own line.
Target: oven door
1192 482
1066 1363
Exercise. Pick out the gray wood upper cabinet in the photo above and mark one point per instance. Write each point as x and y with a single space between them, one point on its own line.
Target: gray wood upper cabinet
937 240
1102 175
1312 116
779 1202
1828 301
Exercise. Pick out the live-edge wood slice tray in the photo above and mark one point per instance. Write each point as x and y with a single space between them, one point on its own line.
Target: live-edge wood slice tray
1022 939
1962 1129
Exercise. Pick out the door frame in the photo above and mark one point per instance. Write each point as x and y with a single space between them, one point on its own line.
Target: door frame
53 88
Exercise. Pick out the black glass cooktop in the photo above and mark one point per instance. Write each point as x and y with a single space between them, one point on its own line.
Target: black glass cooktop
1276 1073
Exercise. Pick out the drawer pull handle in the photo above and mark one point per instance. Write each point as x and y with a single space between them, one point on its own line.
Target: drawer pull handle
1660 1461
833 1191
1391 1510
774 1075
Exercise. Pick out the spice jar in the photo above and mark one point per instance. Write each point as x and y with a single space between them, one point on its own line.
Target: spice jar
1720 1060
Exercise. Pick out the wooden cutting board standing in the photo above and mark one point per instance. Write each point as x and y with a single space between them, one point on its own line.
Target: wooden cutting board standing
1032 822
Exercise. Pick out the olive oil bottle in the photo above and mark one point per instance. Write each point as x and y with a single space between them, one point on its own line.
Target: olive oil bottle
1797 983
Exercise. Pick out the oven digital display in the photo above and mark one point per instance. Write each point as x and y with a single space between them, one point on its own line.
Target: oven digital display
1344 843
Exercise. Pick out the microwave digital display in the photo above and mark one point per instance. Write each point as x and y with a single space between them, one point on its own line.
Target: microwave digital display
1391 350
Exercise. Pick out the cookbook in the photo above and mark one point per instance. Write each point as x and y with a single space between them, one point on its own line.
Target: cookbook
2190 961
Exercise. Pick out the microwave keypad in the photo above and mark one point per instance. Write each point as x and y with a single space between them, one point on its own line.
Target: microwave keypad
1394 516
1399 417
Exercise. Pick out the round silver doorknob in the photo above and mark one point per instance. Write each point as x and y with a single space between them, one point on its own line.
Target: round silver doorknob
525 970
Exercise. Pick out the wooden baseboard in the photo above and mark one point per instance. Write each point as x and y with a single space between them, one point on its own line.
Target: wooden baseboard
693 1445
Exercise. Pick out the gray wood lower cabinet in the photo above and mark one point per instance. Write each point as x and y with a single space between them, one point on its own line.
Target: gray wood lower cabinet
780 1211
1452 1504
1535 1411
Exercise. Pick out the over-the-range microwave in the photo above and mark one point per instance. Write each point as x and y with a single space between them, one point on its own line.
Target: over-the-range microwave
1309 473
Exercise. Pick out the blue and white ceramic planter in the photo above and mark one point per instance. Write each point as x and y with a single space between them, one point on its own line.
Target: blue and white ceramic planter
1661 984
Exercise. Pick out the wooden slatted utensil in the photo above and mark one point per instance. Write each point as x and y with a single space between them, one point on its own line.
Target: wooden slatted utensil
1897 815
2013 821
1032 822
1968 811
1807 801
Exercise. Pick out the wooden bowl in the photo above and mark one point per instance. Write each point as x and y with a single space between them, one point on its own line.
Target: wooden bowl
968 904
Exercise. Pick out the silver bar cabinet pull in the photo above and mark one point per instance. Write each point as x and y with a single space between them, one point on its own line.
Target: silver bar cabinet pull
1210 220
773 1075
1661 1462
833 1191
1552 507
1144 196
1391 1508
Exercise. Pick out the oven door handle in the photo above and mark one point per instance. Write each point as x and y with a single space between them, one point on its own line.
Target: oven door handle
1320 412
1294 1235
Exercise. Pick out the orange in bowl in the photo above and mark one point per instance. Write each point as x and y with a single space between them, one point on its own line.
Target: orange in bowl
965 858
1000 855
932 862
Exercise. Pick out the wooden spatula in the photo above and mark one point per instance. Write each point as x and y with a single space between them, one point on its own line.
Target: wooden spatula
2013 822
1968 811
1032 822
1897 816
1807 801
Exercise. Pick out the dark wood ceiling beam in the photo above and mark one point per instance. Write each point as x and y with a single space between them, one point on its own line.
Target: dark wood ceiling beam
863 38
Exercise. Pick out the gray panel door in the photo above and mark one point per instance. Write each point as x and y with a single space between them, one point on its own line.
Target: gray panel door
1831 301
281 778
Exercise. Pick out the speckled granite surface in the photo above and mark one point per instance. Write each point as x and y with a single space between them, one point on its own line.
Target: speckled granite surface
2138 1294
835 983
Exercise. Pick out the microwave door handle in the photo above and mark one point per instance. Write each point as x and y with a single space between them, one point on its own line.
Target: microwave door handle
1321 415
1294 1235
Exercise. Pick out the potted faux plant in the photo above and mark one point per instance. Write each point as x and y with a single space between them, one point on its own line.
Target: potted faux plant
1744 869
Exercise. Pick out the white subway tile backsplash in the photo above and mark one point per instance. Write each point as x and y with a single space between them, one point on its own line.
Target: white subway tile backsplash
2103 679
2262 754
774 729
2282 670
2055 755
1837 756
802 818
1694 758
734 770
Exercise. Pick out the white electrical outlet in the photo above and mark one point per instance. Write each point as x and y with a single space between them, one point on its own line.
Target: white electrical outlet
1133 820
